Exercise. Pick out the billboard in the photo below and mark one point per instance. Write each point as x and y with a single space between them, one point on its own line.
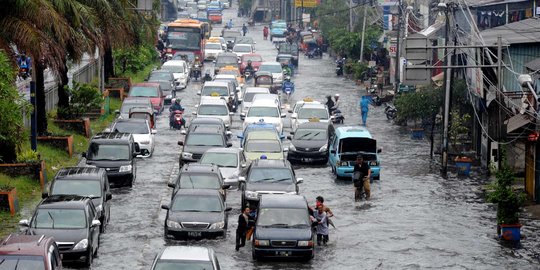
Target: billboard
306 3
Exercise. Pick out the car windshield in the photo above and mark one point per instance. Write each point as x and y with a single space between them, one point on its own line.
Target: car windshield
283 217
263 112
222 91
242 49
21 262
307 113
108 152
143 91
213 46
220 110
197 203
59 219
310 134
252 58
184 40
229 34
131 127
220 159
226 60
184 265
127 106
260 174
174 69
86 188
160 76
271 68
264 146
204 140
199 180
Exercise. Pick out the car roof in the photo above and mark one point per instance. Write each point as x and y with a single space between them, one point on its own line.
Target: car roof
206 130
272 163
216 83
314 125
313 106
251 54
225 54
264 103
20 244
207 120
160 71
79 173
146 84
130 120
174 63
199 167
223 150
197 192
137 100
112 136
190 253
353 131
206 100
261 90
242 44
271 63
225 76
283 201
263 134
64 201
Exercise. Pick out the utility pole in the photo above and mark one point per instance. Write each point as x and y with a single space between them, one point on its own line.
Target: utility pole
398 58
363 34
447 86
499 98
350 16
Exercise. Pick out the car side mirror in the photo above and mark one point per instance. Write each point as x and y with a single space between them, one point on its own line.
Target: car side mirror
286 149
171 185
229 144
164 206
294 116
228 133
198 93
194 113
283 115
226 186
108 196
24 223
117 112
153 131
290 110
227 209
180 143
379 150
299 180
289 137
96 223
44 195
214 61
183 132
243 165
241 179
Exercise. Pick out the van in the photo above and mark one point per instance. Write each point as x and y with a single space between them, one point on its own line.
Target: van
282 228
348 143
115 152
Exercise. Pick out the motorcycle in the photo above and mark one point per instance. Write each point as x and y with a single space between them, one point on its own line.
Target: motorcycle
288 89
177 120
337 117
196 73
316 52
375 98
339 67
247 75
390 111
24 69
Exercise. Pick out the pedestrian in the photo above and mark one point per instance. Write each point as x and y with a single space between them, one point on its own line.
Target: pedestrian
361 178
251 222
265 33
229 24
364 106
244 29
336 103
329 103
329 214
241 230
322 225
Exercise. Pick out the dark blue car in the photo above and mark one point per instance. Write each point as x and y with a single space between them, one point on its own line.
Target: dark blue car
261 125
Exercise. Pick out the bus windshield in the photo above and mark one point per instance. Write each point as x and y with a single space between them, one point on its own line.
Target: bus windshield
184 40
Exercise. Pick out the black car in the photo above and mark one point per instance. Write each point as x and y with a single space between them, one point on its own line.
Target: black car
198 140
283 228
72 221
200 176
309 143
196 213
166 81
86 182
225 59
265 176
229 35
115 152
207 121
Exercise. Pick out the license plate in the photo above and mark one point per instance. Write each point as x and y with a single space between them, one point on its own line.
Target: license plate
307 159
194 234
283 253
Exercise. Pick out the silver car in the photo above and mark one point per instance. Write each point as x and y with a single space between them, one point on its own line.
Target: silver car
231 162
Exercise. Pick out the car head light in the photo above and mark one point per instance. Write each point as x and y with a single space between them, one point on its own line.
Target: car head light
323 148
187 155
99 208
217 225
262 243
83 244
292 148
251 194
125 168
291 193
144 141
305 243
344 163
173 224
373 163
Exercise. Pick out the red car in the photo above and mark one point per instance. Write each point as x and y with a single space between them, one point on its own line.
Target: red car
29 252
150 90
256 61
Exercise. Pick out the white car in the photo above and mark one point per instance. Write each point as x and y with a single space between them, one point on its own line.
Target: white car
216 89
241 49
249 94
211 50
143 135
301 103
310 112
231 162
264 110
271 97
225 3
275 69
180 70
214 107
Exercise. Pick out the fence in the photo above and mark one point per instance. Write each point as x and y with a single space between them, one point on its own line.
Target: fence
51 100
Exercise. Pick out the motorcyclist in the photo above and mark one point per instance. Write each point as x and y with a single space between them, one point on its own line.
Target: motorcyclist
175 107
329 102
207 76
287 84
249 68
336 104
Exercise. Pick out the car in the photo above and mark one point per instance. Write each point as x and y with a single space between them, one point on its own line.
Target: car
261 125
230 161
180 70
309 143
245 40
202 14
200 176
278 30
266 110
263 143
290 48
276 70
230 70
215 6
186 257
283 228
130 103
149 90
196 213
310 112
86 182
221 88
182 15
270 97
229 35
249 93
143 135
72 221
166 82
241 49
225 3
229 78
201 6
266 176
348 143
219 40
211 50
215 15
301 103
36 252
115 152
225 59
214 107
256 61
207 122
200 139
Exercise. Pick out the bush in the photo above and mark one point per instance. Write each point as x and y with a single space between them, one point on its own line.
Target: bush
133 59
28 156
508 201
83 98
420 105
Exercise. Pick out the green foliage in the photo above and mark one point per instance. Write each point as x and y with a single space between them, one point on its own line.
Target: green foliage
133 59
422 104
459 126
83 98
507 199
28 156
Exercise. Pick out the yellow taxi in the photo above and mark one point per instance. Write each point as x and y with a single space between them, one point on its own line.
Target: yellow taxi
230 70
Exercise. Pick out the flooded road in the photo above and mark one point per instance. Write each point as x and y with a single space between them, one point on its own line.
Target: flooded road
415 220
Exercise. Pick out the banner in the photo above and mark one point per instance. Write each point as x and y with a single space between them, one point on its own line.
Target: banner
306 3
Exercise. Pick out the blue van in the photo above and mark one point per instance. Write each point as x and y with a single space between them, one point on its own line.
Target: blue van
348 143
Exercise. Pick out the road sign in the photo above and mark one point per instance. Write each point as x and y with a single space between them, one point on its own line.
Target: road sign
306 3
393 50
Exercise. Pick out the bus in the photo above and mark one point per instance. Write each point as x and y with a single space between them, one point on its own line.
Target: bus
187 35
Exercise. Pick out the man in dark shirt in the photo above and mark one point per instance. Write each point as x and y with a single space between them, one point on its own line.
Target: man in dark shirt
243 223
365 171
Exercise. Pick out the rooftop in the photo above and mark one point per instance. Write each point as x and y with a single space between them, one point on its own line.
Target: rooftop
524 31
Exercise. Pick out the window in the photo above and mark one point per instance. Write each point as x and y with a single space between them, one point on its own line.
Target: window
310 134
143 91
220 110
174 69
242 49
259 174
213 46
131 127
187 265
21 262
187 203
283 217
108 152
221 159
86 188
271 68
252 58
263 112
263 146
307 113
222 91
204 140
199 180
60 219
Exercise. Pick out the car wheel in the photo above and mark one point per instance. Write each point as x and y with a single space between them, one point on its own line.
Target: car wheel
97 248
102 227
89 258
254 256
377 177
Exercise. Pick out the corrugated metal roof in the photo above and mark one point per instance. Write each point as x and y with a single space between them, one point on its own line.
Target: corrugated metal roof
480 3
525 31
